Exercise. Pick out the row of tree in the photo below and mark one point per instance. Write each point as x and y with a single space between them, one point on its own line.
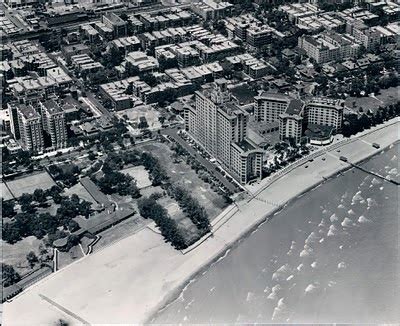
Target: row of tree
149 208
354 123
191 207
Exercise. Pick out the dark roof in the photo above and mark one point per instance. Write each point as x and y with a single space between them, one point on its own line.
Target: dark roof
315 131
245 145
95 192
295 107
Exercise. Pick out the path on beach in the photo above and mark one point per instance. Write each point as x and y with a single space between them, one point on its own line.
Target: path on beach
129 281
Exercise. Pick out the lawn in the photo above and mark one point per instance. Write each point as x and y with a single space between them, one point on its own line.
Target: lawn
28 184
386 97
82 193
15 254
181 173
139 174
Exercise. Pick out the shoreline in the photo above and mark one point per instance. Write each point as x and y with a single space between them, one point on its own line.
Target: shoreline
175 296
172 271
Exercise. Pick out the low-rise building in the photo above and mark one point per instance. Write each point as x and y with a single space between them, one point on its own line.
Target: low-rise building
114 22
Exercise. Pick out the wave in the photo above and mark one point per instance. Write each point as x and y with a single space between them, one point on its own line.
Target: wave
347 222
274 292
281 272
363 219
311 288
333 218
280 308
332 230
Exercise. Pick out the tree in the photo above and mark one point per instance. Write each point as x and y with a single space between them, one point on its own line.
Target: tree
9 275
39 196
32 259
7 208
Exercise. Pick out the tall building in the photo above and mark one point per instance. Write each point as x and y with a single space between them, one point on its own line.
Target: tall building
220 127
30 128
326 112
295 115
291 121
53 120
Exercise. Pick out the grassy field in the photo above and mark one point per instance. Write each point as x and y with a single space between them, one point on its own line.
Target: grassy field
181 173
5 193
386 97
15 254
66 258
29 183
139 174
79 190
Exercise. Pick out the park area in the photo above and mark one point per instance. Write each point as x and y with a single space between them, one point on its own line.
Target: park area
183 175
28 184
385 98
15 254
139 174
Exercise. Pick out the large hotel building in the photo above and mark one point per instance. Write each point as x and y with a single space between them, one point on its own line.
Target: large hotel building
295 115
220 127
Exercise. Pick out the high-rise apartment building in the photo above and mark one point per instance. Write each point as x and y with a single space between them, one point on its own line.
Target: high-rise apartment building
30 128
220 127
326 112
53 120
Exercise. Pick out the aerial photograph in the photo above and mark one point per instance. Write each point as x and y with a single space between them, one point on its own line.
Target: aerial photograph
189 162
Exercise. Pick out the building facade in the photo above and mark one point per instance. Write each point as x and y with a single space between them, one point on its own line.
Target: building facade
30 128
220 127
295 115
53 119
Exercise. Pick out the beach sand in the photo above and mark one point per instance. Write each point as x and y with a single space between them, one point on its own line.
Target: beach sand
130 280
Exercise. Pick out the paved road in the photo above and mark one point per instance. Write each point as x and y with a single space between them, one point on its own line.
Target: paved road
207 164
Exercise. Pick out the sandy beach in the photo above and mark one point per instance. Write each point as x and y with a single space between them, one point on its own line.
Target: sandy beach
130 280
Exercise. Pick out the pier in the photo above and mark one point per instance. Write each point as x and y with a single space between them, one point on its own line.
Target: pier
374 173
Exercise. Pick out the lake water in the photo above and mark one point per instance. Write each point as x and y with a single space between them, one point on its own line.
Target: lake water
331 256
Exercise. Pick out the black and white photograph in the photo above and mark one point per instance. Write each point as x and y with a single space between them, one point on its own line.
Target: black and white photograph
200 162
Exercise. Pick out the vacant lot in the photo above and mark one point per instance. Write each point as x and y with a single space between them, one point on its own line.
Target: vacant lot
139 174
182 174
28 184
15 254
5 193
